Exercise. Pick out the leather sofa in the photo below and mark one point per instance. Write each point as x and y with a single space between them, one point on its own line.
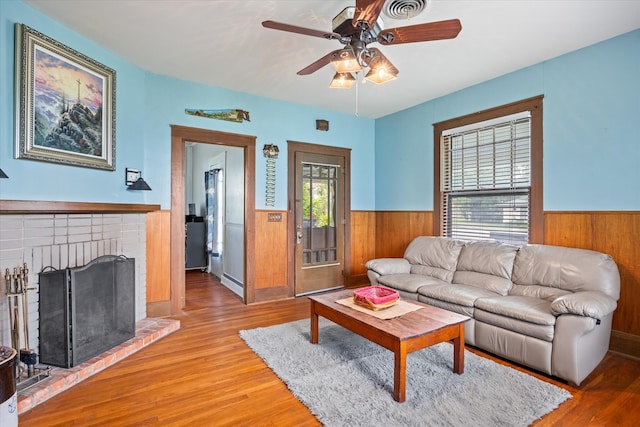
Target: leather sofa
546 307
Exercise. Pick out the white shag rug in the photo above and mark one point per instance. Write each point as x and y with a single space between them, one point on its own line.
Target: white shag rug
346 380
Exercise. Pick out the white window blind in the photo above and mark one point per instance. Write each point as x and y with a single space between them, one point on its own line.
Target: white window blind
486 180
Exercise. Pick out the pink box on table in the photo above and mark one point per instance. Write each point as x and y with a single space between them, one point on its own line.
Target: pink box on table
375 297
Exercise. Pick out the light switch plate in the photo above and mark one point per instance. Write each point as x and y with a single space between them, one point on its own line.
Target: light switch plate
274 217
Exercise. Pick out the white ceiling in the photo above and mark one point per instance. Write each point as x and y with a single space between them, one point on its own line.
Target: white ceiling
222 43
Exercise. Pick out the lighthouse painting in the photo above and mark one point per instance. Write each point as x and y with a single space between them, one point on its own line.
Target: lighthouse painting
67 107
67 104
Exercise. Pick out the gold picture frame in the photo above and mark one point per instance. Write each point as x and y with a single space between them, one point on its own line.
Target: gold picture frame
65 104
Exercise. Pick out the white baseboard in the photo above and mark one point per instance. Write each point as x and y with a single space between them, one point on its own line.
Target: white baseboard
232 286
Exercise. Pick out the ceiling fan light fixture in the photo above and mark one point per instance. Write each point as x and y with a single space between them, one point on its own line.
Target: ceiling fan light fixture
358 26
345 61
342 81
380 75
381 71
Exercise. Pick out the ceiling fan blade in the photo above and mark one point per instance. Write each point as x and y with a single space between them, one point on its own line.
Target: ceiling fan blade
367 12
312 68
300 30
421 33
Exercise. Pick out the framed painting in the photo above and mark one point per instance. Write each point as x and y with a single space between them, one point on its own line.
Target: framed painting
65 104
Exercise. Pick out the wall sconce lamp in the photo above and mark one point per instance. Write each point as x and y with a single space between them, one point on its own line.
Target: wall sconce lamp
2 174
134 181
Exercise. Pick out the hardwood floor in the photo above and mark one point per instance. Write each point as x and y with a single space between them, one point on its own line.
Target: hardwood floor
204 375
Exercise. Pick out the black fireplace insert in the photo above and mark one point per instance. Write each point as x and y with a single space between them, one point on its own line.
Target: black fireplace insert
87 310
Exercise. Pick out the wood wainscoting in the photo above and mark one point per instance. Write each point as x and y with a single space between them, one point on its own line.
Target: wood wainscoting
271 256
159 263
396 229
363 247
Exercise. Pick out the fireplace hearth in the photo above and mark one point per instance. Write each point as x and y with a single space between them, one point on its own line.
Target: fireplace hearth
87 310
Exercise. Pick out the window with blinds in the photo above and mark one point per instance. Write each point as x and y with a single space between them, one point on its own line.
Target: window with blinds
486 180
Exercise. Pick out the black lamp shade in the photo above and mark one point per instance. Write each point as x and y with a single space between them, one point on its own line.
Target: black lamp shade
139 184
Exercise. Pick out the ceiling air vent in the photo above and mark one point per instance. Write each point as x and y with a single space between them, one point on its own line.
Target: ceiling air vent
404 9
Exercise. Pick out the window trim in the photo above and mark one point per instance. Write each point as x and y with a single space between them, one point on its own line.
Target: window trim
534 106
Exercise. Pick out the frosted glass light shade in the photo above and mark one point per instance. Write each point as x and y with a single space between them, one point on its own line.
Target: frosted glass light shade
342 81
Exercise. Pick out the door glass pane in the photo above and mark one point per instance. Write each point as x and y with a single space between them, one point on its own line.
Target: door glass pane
318 221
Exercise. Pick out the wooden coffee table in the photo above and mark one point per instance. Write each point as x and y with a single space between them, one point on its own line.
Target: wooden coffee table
402 335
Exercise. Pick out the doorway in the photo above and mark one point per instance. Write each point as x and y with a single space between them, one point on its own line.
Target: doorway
319 220
214 193
180 136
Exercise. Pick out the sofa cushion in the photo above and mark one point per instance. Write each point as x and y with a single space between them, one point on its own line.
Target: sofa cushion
486 265
461 309
524 315
456 294
409 282
528 309
439 254
535 291
570 269
494 258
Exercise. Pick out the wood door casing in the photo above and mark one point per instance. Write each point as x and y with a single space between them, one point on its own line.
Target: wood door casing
180 135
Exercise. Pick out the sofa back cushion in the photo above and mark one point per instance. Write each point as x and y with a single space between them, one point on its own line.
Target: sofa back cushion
570 269
486 265
433 256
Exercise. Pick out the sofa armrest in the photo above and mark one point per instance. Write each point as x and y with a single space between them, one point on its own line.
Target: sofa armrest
384 266
588 303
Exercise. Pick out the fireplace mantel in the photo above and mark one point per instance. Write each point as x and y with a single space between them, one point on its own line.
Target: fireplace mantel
42 207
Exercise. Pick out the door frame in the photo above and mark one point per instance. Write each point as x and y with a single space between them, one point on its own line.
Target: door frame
180 135
292 148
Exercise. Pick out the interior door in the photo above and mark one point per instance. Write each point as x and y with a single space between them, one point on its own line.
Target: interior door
319 222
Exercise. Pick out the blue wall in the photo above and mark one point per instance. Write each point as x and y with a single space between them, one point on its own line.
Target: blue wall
31 180
591 144
147 104
591 153
272 122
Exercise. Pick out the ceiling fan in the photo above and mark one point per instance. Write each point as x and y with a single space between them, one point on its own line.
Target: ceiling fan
356 28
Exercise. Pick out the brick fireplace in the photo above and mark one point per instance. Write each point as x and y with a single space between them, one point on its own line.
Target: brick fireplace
58 235
68 240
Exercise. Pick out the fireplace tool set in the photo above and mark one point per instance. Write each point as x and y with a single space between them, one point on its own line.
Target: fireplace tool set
16 289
